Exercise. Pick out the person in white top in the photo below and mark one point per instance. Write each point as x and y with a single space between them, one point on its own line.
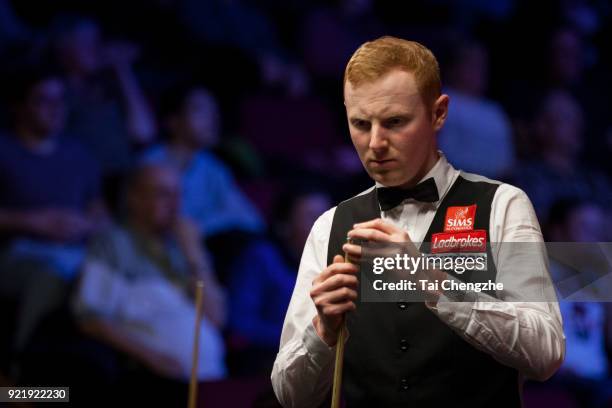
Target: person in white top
395 108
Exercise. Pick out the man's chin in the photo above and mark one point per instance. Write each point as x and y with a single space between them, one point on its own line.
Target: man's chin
387 179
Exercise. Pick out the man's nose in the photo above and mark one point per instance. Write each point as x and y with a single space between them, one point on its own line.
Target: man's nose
378 138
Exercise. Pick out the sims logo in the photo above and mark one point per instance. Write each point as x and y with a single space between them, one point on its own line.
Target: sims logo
460 218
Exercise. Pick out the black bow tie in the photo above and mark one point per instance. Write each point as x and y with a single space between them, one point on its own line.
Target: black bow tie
391 197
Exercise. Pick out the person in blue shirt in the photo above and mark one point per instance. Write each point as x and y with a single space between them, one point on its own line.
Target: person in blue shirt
227 219
210 194
49 200
262 277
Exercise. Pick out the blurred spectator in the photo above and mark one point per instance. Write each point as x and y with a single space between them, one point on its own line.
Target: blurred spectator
567 58
49 200
279 74
572 66
562 58
108 111
263 276
577 220
557 171
137 284
210 195
477 136
586 369
297 209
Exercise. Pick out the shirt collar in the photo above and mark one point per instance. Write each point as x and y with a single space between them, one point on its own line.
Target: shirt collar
443 173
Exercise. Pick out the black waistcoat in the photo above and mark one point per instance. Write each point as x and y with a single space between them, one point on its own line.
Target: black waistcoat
402 354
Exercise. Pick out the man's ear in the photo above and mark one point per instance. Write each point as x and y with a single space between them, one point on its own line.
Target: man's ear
440 111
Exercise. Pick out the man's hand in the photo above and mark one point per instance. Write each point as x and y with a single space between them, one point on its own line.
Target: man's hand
334 292
58 225
378 230
189 240
162 364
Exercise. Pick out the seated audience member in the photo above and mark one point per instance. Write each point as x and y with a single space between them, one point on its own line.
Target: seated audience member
586 369
557 171
477 136
263 276
210 195
49 200
136 292
109 112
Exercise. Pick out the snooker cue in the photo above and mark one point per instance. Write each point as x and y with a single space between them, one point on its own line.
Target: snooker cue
337 384
193 381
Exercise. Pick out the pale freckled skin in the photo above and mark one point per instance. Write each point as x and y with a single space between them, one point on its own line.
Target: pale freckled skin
392 128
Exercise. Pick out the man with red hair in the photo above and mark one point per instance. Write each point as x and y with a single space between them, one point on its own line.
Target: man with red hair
459 348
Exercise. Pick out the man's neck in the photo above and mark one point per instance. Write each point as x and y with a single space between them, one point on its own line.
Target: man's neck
34 141
146 232
182 152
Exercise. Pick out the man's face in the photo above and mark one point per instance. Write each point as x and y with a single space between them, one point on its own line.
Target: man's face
392 128
156 200
567 56
44 109
305 212
560 124
200 119
472 70
80 50
586 224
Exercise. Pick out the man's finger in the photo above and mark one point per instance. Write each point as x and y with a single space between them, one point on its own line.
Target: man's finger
369 234
336 268
339 309
379 224
353 252
339 295
336 282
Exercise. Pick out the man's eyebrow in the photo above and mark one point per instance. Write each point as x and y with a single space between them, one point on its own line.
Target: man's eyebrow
394 113
383 114
358 117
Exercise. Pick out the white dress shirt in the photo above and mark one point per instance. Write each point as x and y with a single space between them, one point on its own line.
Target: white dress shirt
525 335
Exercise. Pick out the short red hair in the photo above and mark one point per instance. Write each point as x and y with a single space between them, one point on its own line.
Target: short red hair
374 59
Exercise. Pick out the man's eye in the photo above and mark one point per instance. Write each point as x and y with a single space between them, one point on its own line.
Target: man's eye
394 122
361 124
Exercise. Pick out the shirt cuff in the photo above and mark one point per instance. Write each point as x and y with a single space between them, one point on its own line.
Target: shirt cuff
319 352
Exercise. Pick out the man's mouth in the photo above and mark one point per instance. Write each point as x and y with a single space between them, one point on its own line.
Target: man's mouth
381 162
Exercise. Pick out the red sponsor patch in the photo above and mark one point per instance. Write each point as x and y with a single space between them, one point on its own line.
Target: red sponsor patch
473 241
460 218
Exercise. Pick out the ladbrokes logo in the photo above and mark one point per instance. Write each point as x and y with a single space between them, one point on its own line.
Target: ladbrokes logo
460 218
473 241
